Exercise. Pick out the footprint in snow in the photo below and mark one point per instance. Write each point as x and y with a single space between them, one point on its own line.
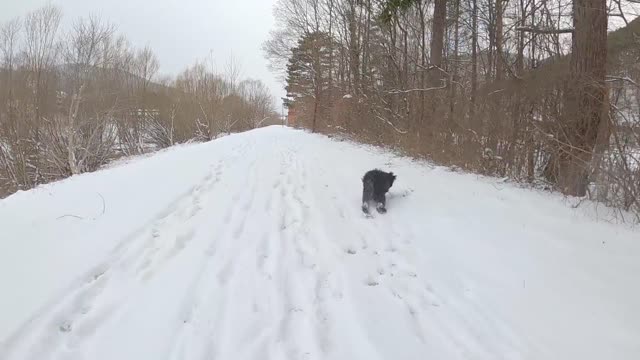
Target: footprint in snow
371 281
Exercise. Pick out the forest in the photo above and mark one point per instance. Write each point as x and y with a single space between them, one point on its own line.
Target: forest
540 92
72 100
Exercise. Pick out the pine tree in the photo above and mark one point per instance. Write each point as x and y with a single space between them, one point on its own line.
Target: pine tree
308 72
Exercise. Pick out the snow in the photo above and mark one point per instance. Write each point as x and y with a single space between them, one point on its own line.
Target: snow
253 246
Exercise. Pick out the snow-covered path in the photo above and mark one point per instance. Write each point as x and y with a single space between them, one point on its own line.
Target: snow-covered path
253 246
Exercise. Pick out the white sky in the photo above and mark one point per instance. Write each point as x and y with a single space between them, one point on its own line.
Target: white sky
181 31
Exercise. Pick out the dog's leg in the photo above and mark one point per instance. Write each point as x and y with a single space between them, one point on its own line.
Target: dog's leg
367 195
365 207
381 204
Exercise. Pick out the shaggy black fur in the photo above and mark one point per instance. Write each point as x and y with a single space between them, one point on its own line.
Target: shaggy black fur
375 184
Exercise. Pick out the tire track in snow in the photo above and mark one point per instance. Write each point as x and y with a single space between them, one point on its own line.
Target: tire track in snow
226 283
236 219
272 275
204 307
312 302
166 233
283 296
276 255
270 258
309 250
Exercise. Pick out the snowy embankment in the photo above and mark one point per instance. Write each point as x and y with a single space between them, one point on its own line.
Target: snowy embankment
253 246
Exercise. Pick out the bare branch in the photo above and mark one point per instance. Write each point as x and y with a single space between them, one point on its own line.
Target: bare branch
444 85
544 31
391 124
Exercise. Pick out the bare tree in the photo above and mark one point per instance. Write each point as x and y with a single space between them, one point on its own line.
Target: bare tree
82 57
41 51
585 95
259 102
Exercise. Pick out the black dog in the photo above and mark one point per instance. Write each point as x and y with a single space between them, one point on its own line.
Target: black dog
376 183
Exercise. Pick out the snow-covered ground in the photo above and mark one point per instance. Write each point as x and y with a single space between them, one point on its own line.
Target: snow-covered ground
253 246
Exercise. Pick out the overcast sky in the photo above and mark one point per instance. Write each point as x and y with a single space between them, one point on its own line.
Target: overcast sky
180 31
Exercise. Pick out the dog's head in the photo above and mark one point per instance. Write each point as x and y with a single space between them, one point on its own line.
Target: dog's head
391 178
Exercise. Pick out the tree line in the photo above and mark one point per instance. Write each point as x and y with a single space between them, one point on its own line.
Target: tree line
73 99
534 90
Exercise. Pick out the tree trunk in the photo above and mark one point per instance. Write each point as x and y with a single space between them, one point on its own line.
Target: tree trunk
437 40
492 42
495 124
474 59
74 166
354 50
454 71
585 95
423 63
330 85
366 51
436 74
519 119
529 140
499 40
315 115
